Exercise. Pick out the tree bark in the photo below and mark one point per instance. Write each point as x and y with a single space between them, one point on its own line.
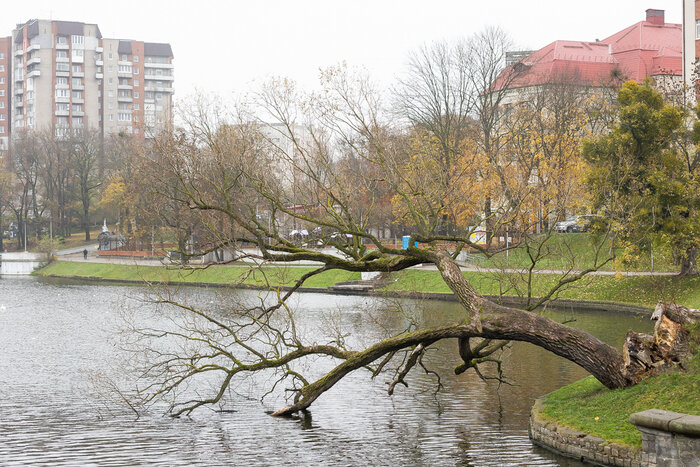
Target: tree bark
689 265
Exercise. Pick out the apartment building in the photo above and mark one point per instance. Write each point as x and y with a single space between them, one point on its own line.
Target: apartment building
66 77
5 90
691 46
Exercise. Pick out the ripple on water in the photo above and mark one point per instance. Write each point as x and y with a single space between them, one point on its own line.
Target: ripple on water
52 337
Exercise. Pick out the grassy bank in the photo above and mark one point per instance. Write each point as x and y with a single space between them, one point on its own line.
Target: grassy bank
636 290
214 275
589 407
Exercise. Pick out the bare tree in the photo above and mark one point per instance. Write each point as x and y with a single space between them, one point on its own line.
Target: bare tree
227 172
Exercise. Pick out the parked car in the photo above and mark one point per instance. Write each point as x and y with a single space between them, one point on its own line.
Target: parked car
577 223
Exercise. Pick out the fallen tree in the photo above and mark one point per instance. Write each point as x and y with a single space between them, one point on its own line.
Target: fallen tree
249 183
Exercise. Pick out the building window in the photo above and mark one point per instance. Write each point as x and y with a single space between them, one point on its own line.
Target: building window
136 83
111 117
110 80
61 107
77 68
2 56
62 66
159 96
111 56
2 80
2 116
77 108
77 121
136 94
77 82
61 40
2 103
124 58
136 107
2 129
78 53
2 92
110 68
77 39
77 94
124 68
61 92
110 93
2 67
61 80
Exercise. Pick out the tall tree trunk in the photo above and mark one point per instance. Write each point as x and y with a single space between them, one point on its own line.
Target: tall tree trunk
689 265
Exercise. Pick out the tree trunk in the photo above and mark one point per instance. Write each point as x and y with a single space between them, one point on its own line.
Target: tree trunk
642 355
689 265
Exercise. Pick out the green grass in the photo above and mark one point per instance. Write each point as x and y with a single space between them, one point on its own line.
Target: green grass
563 251
641 290
276 276
588 406
636 290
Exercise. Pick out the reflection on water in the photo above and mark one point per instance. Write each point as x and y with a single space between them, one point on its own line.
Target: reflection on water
54 338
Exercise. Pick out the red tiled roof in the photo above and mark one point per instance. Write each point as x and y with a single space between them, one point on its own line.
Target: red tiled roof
641 50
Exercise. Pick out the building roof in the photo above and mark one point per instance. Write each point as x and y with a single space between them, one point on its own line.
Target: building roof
648 48
157 49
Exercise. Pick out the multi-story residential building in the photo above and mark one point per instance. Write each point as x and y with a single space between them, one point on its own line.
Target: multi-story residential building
5 91
691 46
67 77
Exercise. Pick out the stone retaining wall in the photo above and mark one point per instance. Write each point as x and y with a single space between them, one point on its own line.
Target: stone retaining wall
578 445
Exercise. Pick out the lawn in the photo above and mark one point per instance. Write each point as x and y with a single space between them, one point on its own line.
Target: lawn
646 290
588 406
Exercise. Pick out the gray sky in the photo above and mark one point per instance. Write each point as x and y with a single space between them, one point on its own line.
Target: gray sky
229 46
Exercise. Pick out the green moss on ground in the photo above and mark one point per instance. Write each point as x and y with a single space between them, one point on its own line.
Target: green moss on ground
588 406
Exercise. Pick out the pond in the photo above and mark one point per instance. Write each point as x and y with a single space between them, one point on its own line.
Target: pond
57 338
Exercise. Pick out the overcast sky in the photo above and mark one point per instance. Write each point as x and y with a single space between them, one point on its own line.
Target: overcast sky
228 46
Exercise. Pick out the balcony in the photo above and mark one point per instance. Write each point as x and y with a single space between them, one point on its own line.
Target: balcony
99 76
125 99
62 113
19 90
78 113
77 59
98 49
159 77
65 99
19 52
77 100
33 47
62 59
125 87
124 74
78 74
19 104
78 87
34 74
19 77
61 46
64 74
159 89
159 65
99 63
34 61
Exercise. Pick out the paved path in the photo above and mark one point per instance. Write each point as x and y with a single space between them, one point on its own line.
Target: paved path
76 254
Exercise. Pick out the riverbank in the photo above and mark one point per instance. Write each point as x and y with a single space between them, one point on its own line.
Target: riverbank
635 290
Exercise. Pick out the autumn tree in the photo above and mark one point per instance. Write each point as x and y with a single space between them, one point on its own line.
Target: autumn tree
226 172
643 180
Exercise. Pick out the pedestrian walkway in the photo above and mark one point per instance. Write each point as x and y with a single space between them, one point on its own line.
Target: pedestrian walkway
76 254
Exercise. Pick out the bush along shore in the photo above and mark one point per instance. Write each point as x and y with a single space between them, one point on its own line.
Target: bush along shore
585 406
